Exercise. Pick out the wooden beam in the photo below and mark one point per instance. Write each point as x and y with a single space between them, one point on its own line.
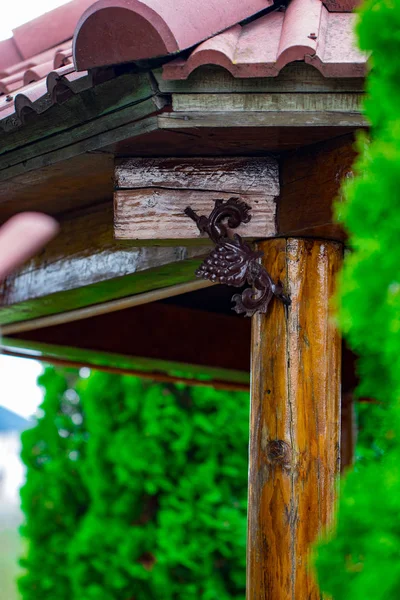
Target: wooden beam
224 141
87 113
311 178
84 265
152 369
60 188
154 374
152 194
138 125
153 338
96 310
337 102
295 421
249 119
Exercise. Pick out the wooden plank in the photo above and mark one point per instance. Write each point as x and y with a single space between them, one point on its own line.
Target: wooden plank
60 188
230 175
295 421
188 119
160 190
158 215
84 107
308 102
295 77
310 182
138 124
153 369
84 265
105 308
158 331
224 141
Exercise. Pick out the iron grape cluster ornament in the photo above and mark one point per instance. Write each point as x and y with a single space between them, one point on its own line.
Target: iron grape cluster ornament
233 261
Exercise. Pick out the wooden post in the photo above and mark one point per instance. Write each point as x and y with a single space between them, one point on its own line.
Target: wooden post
295 421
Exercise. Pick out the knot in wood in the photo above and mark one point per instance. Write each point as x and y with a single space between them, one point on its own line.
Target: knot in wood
279 453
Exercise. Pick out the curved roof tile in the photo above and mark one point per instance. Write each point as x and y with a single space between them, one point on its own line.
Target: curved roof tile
50 29
118 31
305 31
59 85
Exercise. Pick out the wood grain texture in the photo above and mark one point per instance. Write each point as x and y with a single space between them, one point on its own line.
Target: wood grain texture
138 125
84 265
152 194
222 141
295 421
269 102
310 184
86 113
61 187
228 119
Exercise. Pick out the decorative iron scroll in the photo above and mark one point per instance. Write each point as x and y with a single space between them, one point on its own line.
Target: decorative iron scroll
233 261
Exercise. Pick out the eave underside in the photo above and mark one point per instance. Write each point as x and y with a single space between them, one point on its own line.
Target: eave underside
65 167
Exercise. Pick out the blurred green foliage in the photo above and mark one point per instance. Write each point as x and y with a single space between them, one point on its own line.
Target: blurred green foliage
362 558
135 491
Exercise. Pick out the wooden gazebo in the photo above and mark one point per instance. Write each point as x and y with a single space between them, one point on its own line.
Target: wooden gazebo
127 120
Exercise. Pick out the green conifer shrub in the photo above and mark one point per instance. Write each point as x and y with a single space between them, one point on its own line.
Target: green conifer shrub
164 471
53 498
362 558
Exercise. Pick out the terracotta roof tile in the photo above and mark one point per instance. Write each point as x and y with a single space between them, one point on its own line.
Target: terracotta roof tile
9 53
306 31
132 30
50 29
37 97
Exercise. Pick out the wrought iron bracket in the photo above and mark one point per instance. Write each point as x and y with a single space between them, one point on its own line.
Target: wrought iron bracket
233 261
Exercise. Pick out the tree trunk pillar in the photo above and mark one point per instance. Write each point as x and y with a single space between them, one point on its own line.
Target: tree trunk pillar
295 420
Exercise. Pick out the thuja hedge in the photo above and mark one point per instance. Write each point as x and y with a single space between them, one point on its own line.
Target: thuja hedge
362 558
135 491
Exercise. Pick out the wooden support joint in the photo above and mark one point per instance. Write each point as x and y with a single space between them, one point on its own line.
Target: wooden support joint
151 195
295 420
232 261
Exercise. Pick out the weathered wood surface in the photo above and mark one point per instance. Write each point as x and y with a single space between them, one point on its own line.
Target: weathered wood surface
224 141
226 119
60 188
295 421
105 308
295 77
138 125
84 265
269 102
160 190
88 109
310 183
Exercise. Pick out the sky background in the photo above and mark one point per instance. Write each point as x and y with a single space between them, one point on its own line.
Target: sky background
18 389
14 14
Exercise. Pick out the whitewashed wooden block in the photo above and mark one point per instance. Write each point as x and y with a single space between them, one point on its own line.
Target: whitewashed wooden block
151 196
